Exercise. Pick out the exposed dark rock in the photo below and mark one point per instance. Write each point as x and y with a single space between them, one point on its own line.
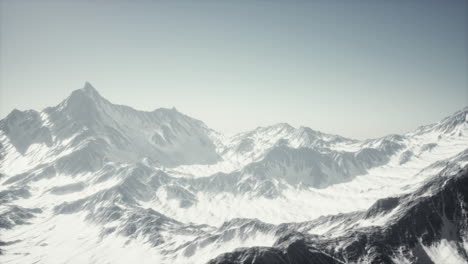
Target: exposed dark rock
292 249
69 188
382 206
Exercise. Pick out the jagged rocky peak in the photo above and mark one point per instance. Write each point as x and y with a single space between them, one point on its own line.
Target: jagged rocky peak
86 95
89 88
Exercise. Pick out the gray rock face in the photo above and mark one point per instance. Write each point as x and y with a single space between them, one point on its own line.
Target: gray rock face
291 249
68 188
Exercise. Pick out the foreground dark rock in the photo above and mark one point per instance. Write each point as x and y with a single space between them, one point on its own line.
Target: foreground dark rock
293 248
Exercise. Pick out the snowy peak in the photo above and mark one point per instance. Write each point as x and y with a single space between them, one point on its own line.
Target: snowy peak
87 125
88 100
458 120
86 96
87 91
88 88
453 125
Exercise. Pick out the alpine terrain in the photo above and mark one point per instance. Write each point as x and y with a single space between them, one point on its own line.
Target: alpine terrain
89 181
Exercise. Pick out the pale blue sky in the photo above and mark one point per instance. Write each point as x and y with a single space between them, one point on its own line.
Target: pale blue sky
355 68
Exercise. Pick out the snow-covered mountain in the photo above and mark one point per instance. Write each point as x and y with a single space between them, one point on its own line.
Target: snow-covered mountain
88 181
85 131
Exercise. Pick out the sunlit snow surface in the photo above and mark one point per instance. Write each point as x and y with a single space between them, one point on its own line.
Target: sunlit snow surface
196 225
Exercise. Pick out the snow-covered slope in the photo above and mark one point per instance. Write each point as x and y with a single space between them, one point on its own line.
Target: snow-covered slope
87 178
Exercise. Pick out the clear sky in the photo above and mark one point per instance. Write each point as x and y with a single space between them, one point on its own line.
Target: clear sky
355 68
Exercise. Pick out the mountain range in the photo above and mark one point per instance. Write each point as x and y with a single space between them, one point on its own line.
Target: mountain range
89 181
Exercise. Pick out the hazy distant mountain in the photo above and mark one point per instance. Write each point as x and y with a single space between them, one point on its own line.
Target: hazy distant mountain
88 181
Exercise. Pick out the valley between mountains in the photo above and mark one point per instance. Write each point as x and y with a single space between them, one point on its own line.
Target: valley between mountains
89 181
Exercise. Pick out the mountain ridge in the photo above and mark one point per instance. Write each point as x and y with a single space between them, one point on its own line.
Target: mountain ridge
90 89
